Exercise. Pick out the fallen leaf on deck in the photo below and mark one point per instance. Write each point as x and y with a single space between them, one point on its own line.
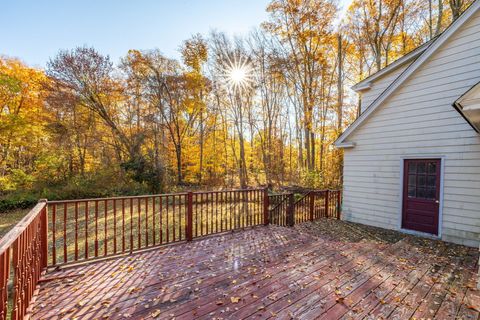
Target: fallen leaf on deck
155 313
473 308
81 303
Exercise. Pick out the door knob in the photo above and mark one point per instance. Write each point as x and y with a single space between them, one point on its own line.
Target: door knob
436 201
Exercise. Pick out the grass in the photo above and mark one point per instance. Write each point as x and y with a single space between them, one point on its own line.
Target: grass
9 219
134 224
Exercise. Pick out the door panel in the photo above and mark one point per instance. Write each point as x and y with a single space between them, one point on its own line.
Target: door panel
421 195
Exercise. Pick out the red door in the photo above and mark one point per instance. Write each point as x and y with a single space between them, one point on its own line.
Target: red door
421 195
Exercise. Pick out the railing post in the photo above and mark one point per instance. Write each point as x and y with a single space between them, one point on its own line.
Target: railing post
189 224
44 240
326 203
291 211
339 203
266 204
312 204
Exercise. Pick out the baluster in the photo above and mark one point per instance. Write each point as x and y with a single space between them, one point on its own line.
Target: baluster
153 222
105 226
131 224
173 217
114 226
86 229
189 218
146 221
76 230
65 232
54 242
161 218
167 222
96 228
123 225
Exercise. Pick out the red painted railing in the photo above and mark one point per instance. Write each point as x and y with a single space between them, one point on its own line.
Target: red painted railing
23 257
86 229
310 206
61 232
280 207
318 204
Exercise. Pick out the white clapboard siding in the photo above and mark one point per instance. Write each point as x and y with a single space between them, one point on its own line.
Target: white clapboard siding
419 120
379 85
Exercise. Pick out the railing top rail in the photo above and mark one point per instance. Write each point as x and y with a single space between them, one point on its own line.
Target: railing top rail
280 194
315 192
228 190
146 196
13 234
116 198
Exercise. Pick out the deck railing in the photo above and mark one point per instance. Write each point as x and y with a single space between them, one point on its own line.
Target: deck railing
55 233
318 204
87 229
23 257
313 205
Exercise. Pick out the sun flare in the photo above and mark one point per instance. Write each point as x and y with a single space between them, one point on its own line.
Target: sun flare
237 73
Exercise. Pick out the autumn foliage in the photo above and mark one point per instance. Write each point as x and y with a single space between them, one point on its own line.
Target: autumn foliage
89 126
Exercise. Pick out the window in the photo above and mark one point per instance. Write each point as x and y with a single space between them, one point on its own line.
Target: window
422 179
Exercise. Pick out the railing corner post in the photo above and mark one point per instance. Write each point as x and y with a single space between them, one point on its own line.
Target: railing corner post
266 204
189 224
339 203
44 227
291 210
326 203
312 204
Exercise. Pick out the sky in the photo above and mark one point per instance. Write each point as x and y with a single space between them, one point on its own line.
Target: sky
34 30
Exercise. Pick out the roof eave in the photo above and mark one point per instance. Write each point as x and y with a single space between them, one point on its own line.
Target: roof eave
366 83
430 49
458 106
344 145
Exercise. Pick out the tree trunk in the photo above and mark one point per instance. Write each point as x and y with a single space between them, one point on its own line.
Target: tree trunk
456 7
202 134
178 153
340 85
438 29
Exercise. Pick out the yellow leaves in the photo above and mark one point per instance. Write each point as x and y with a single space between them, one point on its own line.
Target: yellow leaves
195 52
81 303
235 299
272 297
340 298
133 290
155 313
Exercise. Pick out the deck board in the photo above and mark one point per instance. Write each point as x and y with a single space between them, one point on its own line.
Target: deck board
268 272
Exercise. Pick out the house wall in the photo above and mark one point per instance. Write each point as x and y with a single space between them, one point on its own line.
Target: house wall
418 120
379 85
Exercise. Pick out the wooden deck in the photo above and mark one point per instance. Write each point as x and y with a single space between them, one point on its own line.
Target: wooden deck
269 272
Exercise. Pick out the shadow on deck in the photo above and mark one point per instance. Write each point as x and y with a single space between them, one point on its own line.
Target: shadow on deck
269 272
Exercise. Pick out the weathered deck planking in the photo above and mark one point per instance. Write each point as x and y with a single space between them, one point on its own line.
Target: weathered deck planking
267 272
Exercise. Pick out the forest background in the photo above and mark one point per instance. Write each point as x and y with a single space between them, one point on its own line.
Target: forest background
86 126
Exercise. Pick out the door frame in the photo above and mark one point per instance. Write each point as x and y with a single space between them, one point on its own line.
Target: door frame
440 205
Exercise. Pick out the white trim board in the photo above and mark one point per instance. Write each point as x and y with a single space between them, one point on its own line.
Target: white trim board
365 84
434 46
440 205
